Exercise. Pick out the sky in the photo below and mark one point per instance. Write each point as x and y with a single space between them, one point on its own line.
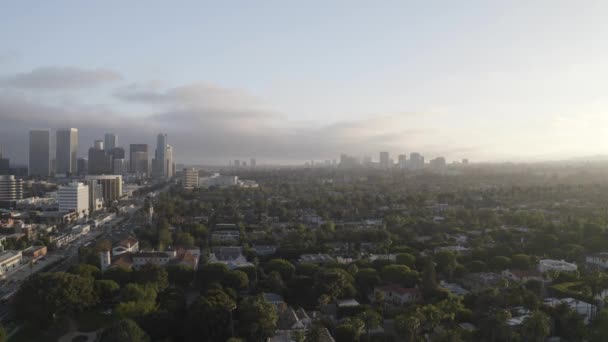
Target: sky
287 81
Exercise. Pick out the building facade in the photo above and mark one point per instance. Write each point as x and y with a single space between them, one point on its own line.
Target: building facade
11 188
40 153
138 159
111 187
190 178
66 151
74 197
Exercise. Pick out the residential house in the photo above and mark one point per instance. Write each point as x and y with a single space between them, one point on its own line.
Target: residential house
396 295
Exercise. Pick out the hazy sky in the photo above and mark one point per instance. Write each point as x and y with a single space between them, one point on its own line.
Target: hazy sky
296 80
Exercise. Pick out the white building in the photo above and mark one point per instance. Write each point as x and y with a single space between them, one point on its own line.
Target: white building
127 245
547 265
9 261
598 260
218 180
396 295
11 188
74 197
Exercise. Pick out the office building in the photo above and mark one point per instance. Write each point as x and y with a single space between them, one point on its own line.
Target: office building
170 166
95 196
416 161
98 144
159 167
138 159
111 187
82 166
237 163
100 163
437 163
190 178
40 153
384 160
117 153
5 166
11 188
402 161
119 167
66 150
110 141
74 197
252 163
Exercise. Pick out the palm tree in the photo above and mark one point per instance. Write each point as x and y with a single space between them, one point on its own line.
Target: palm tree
537 327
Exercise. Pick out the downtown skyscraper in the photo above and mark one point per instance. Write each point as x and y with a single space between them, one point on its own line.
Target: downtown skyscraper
110 142
66 151
159 165
40 153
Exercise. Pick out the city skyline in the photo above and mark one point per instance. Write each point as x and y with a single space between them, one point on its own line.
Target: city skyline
295 85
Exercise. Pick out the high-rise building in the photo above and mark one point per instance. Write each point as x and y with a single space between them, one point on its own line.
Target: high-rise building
384 160
120 167
402 160
465 161
252 163
74 197
11 188
83 166
100 163
5 166
40 153
437 163
66 151
190 178
111 141
111 187
237 163
138 159
160 158
170 166
98 145
416 161
117 153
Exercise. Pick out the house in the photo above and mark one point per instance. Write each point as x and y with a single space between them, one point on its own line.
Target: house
315 259
186 255
454 288
586 310
264 250
598 260
547 265
274 299
454 249
480 281
225 233
396 295
129 244
230 256
158 258
523 275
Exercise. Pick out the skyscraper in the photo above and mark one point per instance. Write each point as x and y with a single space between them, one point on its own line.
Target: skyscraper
159 166
402 160
252 163
40 153
11 188
66 149
138 159
111 141
384 160
74 197
170 167
100 163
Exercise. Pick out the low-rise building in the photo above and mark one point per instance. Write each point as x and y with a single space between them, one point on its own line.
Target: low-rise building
34 252
523 275
586 310
9 262
396 295
230 256
547 265
315 259
129 244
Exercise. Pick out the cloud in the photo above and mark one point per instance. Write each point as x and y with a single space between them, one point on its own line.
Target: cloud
55 77
206 123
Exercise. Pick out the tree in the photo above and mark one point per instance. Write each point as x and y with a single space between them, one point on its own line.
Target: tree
429 278
3 335
284 267
45 295
237 280
407 325
106 290
371 319
599 327
180 275
350 330
399 274
537 326
499 263
367 279
335 282
406 259
152 274
257 319
210 316
124 330
184 239
212 273
521 261
85 270
121 275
